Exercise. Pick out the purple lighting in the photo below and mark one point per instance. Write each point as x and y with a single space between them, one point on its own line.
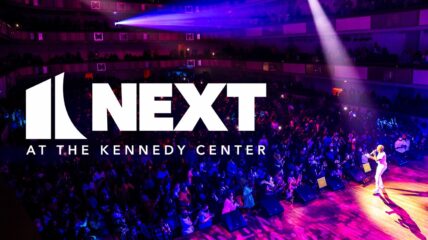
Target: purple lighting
205 18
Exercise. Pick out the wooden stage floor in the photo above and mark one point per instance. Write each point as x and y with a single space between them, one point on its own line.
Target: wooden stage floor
353 213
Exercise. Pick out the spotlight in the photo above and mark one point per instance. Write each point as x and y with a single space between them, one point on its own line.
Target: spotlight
345 108
188 49
334 50
213 54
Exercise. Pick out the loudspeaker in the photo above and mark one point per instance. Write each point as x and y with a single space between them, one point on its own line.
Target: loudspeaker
357 175
234 221
335 183
271 206
399 160
305 193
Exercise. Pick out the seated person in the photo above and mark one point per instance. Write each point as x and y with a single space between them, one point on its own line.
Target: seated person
184 196
269 185
163 230
279 161
402 145
230 204
162 173
186 223
232 169
281 186
204 219
293 183
337 171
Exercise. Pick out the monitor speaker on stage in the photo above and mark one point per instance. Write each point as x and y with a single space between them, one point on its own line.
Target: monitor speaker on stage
305 193
399 160
234 221
335 183
357 175
271 206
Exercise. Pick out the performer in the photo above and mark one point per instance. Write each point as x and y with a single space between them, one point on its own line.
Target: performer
380 158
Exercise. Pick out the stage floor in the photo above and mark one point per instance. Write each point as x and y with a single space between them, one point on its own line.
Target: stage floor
353 213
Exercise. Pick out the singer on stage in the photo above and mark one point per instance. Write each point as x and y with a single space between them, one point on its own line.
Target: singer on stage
380 158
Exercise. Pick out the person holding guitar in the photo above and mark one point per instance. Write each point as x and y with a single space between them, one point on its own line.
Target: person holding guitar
379 156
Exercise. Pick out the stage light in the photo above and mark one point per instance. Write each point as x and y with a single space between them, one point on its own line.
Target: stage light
205 18
335 52
345 108
188 49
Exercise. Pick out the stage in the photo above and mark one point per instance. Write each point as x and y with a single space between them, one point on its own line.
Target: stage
353 213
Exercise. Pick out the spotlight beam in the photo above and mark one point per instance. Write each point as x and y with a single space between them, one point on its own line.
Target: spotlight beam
334 51
207 18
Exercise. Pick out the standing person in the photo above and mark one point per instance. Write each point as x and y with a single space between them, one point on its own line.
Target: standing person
379 156
248 196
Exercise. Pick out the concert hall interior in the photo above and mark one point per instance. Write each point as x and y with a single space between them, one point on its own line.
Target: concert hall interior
214 119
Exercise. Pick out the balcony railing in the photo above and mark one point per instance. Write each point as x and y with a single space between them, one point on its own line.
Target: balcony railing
412 20
393 76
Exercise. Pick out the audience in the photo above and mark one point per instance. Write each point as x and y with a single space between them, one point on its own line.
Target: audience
307 133
164 196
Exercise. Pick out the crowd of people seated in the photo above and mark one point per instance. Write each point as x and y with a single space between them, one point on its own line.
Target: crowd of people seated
372 55
307 136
